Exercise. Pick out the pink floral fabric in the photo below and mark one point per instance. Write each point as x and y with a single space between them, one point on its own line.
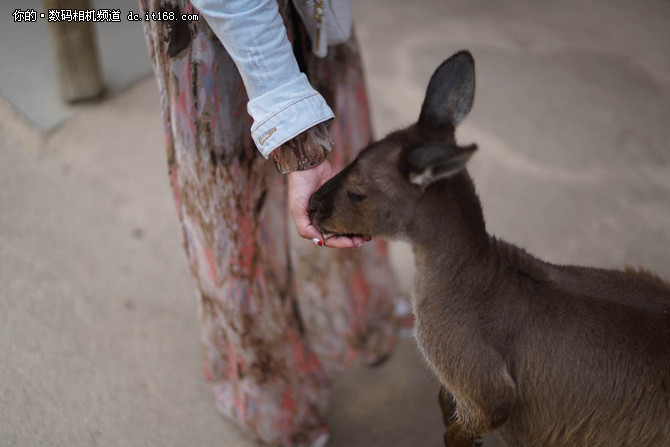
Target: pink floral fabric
279 315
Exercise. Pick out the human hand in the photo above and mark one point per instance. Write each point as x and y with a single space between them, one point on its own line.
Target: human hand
301 186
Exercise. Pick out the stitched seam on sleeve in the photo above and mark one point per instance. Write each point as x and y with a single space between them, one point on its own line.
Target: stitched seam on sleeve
281 110
284 140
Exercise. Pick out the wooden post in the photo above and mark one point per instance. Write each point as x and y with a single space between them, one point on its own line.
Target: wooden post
76 56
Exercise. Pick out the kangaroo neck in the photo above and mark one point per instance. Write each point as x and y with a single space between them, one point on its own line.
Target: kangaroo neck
449 240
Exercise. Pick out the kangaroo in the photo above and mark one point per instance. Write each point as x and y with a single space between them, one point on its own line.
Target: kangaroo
547 355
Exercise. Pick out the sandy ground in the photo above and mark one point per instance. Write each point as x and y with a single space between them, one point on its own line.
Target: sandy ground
99 341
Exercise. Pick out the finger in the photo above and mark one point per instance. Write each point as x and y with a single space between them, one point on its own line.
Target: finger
358 241
340 242
304 226
307 230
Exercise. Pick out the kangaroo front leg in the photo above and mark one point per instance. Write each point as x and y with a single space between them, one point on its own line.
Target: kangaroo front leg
448 407
456 437
453 436
480 397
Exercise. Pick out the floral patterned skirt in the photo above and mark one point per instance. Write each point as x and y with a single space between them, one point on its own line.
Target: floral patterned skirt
280 316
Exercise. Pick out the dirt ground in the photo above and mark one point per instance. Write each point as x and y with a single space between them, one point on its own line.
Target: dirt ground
99 337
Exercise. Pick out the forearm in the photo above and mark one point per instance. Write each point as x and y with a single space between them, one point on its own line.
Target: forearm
281 101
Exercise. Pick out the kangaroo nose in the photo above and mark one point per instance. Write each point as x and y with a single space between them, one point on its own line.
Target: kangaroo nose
318 207
313 205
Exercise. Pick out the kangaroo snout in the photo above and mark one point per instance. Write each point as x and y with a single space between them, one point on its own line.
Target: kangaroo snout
321 205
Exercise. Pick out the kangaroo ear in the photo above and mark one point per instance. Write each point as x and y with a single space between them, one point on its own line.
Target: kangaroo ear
450 93
430 163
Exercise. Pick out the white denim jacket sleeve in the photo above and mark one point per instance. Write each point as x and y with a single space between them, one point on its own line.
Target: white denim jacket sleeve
282 102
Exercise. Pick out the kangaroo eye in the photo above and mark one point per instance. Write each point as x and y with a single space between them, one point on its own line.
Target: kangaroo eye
355 197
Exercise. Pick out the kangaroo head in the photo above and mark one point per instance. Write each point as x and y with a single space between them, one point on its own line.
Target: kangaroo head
378 193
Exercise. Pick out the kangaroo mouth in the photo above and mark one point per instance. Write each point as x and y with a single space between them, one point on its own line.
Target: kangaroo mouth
327 234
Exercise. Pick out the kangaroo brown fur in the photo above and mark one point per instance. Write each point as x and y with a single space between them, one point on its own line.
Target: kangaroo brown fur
548 355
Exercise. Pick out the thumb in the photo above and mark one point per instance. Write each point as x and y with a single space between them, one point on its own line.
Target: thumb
304 225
